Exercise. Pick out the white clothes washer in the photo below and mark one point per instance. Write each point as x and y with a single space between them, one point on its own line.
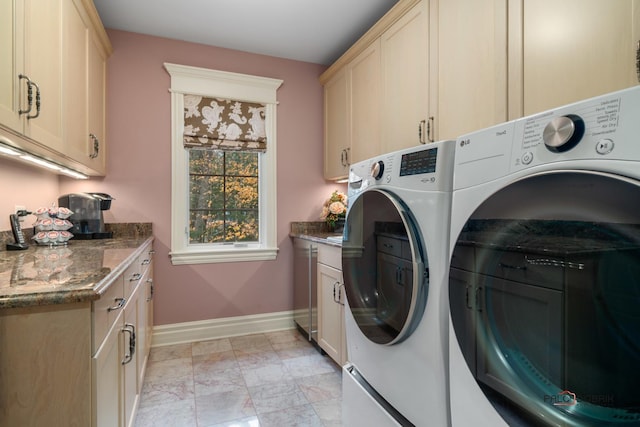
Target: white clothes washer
544 283
395 264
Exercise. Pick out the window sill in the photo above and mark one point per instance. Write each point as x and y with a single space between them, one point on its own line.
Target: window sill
229 255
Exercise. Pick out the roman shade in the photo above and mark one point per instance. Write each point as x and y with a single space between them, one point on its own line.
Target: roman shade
224 124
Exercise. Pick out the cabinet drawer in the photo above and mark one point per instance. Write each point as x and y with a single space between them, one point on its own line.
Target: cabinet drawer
132 276
106 310
330 255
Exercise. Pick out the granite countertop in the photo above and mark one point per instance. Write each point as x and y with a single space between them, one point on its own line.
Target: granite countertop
78 272
316 232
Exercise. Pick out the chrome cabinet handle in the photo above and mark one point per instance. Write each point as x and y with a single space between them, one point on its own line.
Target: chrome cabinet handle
340 287
145 262
151 290
421 132
431 130
120 303
96 146
135 277
131 330
29 94
29 117
638 61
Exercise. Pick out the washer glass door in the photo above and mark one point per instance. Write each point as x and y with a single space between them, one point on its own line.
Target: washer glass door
385 278
544 291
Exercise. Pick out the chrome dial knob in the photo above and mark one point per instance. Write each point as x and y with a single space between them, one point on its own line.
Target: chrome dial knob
377 169
563 133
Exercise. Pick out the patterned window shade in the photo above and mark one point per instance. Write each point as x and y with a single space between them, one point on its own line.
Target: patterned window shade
224 124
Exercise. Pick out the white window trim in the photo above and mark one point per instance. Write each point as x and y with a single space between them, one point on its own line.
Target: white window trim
242 87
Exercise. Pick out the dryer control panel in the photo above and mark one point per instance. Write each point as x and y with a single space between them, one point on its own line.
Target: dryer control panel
589 134
601 128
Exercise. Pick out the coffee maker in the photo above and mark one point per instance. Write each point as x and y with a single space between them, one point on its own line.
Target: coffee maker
87 218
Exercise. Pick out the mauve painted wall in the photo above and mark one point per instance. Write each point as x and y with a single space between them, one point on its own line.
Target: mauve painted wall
139 172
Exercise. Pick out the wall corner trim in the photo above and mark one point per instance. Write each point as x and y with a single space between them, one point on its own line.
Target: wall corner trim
203 330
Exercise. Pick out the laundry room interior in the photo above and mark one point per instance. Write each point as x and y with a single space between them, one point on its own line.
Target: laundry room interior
253 214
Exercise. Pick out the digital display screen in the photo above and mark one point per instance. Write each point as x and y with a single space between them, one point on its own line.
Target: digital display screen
419 162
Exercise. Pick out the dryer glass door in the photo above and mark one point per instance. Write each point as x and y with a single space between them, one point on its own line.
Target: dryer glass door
544 291
385 277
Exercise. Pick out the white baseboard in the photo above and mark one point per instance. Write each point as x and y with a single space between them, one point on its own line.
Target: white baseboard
204 330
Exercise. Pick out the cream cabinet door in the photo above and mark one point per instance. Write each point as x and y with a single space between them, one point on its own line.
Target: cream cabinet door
31 47
76 44
566 51
107 378
11 62
43 65
405 79
330 312
366 88
97 150
468 66
336 127
130 360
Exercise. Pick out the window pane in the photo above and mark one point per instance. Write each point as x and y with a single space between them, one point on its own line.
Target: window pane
242 193
242 226
206 227
241 163
206 192
223 199
206 162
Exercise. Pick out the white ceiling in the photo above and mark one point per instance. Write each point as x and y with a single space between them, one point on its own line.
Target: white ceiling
316 31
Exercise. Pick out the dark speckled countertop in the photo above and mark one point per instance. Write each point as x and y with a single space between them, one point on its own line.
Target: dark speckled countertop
558 238
78 272
316 232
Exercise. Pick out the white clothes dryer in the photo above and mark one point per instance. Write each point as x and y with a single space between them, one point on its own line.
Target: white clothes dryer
544 283
395 264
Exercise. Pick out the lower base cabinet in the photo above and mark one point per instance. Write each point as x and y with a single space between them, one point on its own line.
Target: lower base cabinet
78 364
331 332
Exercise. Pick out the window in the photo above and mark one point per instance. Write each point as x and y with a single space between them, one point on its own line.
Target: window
224 191
223 202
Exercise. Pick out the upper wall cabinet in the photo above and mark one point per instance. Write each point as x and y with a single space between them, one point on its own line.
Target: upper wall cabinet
468 89
405 77
582 49
31 77
452 67
337 126
376 94
49 76
352 113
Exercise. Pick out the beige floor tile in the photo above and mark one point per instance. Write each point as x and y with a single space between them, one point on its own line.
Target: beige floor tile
170 368
318 388
162 391
213 346
222 407
230 380
178 351
181 413
297 416
261 380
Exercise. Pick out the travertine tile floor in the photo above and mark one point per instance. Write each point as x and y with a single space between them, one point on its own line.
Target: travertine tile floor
265 380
